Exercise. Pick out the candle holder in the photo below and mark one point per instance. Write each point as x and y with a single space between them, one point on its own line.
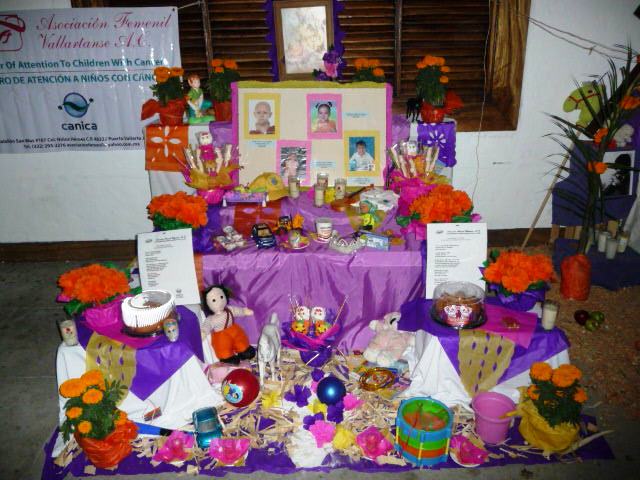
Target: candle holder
341 188
294 187
318 195
602 240
549 314
611 248
322 179
623 241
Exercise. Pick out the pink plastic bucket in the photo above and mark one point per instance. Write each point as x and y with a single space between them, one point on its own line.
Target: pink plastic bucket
489 407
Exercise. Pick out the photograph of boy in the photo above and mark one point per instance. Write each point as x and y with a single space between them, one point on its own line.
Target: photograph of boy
293 163
262 113
361 160
323 120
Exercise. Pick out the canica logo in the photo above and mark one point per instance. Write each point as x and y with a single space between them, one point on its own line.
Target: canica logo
76 106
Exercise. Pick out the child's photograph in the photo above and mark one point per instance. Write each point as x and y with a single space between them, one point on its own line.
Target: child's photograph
324 115
294 161
362 154
261 115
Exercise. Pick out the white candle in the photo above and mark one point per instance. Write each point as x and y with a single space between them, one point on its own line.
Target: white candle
549 314
623 241
294 187
602 241
341 188
611 248
318 197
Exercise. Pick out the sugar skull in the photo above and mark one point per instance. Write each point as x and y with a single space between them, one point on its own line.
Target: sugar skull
171 329
302 314
318 313
204 138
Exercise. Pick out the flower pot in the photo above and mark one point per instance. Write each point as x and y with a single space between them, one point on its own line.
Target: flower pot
575 281
172 113
523 302
213 196
111 450
223 111
538 433
431 113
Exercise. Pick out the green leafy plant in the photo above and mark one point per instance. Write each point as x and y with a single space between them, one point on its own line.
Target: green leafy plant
168 84
617 96
224 73
368 70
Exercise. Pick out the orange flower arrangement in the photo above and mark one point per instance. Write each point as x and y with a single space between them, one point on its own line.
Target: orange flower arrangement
556 393
442 204
168 84
178 210
430 80
225 71
516 272
368 70
93 284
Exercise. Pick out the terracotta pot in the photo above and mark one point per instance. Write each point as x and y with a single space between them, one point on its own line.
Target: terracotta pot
576 277
223 111
112 449
172 113
431 114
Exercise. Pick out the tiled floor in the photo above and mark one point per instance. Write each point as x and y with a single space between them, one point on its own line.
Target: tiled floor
29 408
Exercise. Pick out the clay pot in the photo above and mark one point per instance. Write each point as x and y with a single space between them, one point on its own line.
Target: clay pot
112 449
223 111
172 113
431 114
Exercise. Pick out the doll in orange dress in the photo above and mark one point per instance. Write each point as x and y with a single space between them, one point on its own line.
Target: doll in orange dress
230 342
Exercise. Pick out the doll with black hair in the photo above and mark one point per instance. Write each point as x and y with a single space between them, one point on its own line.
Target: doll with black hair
229 341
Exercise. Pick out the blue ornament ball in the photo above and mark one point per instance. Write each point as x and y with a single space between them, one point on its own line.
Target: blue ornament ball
331 390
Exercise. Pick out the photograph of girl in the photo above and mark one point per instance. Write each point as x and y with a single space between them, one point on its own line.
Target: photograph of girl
323 123
324 116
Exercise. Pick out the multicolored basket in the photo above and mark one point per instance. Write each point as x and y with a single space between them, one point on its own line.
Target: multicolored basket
423 447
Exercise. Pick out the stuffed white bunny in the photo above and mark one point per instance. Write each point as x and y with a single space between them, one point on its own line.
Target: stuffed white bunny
389 344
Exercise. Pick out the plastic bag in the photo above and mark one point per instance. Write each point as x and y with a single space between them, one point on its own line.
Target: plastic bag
576 277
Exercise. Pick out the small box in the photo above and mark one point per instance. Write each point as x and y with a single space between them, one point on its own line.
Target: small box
375 240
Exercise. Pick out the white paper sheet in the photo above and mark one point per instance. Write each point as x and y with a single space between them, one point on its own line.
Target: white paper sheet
455 252
166 262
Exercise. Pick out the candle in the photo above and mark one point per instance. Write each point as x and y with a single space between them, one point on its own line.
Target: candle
623 241
602 240
549 314
611 248
68 331
294 187
341 188
318 196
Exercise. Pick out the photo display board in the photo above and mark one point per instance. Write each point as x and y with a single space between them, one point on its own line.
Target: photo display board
302 128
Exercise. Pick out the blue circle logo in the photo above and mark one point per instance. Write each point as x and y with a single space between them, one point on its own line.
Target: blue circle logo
75 105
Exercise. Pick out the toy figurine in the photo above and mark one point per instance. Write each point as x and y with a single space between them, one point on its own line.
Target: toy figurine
229 341
205 147
389 343
196 102
368 215
269 346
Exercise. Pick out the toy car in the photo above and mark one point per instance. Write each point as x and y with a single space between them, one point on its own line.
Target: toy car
263 236
206 425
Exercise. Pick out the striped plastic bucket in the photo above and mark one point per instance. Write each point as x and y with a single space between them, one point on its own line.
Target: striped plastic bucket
418 446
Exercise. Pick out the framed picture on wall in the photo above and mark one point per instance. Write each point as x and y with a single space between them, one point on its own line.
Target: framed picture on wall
619 182
303 33
293 159
324 116
262 116
362 153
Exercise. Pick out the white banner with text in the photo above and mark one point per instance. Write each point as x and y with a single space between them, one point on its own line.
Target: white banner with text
76 79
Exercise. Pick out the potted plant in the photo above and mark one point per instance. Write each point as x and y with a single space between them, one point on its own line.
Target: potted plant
617 97
368 70
170 103
550 407
102 431
224 73
431 90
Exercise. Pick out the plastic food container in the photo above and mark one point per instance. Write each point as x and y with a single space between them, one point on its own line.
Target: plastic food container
458 305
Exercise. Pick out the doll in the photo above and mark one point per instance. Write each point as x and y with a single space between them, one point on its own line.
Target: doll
229 341
196 102
368 216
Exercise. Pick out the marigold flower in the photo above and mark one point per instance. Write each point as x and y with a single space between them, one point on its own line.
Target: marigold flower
216 62
565 375
580 396
122 418
72 388
74 412
598 167
230 64
218 70
445 69
439 61
176 72
599 135
533 392
444 79
94 283
441 204
93 378
373 63
541 371
189 209
629 102
92 396
84 427
360 63
378 72
430 60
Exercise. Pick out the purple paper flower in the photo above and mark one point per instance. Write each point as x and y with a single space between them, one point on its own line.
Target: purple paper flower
311 419
335 412
300 395
317 375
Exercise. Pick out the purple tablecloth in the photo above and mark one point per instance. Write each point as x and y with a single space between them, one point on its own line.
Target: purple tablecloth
375 282
157 362
544 344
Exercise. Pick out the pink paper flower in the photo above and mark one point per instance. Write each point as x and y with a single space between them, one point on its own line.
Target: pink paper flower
323 432
228 450
176 448
351 402
373 443
331 69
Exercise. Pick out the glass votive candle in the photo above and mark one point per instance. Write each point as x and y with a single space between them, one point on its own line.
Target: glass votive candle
68 331
322 179
549 314
318 195
611 248
341 188
603 236
294 187
171 329
623 241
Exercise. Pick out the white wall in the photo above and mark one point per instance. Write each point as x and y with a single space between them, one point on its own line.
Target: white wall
98 196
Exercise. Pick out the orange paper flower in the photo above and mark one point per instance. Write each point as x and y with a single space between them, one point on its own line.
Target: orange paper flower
599 135
189 209
72 388
94 283
516 271
445 69
541 371
122 418
84 427
162 74
74 412
92 396
441 204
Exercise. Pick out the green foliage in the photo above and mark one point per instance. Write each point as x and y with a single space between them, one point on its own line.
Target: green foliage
168 90
556 404
428 85
165 223
220 84
367 75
